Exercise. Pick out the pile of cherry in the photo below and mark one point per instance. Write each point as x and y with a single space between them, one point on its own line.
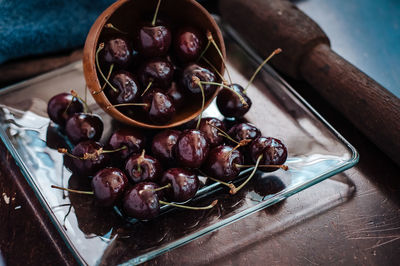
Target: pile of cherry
139 173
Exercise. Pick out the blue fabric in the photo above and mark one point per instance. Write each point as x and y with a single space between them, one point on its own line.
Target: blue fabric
31 27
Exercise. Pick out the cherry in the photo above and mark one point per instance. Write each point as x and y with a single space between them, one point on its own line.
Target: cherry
157 71
204 74
244 131
176 95
82 126
87 158
233 103
109 185
160 107
117 51
272 150
154 40
209 127
192 148
61 106
141 201
133 139
141 167
188 44
127 88
184 184
163 145
223 163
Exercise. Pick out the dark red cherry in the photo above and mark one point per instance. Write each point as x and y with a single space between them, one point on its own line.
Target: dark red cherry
57 108
230 104
163 146
141 167
133 139
128 88
153 41
82 126
159 71
192 148
209 127
244 131
109 185
184 183
117 51
188 44
273 151
222 163
176 95
96 159
204 74
141 202
161 108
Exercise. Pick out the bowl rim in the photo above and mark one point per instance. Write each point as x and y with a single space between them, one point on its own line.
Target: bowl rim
90 70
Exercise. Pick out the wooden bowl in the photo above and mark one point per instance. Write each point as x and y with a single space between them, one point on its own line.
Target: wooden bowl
127 15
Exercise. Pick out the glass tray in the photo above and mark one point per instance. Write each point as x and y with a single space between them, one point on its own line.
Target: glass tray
316 152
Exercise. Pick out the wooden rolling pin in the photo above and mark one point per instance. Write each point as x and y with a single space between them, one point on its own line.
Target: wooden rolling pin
269 24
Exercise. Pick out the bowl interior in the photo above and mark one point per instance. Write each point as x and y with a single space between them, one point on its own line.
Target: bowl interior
128 16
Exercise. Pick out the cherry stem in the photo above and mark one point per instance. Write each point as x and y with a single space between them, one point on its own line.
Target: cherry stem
198 82
227 87
190 207
111 26
223 133
101 47
65 151
153 22
241 143
108 78
230 185
282 166
211 39
116 150
73 190
140 160
215 69
204 51
126 104
147 88
235 190
75 95
160 188
277 51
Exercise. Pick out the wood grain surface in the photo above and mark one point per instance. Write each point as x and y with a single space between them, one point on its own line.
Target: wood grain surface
307 55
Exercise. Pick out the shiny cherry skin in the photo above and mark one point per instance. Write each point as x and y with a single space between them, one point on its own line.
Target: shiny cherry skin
82 126
222 163
128 88
188 44
141 202
273 151
176 95
244 131
211 133
160 107
96 162
109 185
157 70
163 145
132 138
184 184
203 74
154 41
117 51
59 103
191 149
142 168
230 104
